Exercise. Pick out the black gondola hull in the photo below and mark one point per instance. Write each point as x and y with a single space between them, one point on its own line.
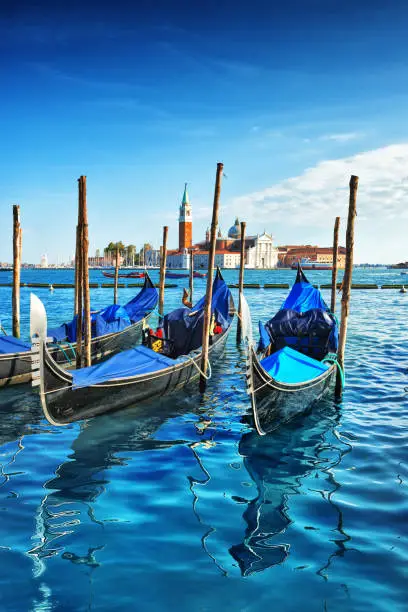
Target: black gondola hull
275 403
15 368
63 405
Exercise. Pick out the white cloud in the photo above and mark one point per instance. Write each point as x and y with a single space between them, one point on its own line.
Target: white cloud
314 198
345 137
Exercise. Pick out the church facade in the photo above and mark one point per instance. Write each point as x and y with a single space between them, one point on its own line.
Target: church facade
259 250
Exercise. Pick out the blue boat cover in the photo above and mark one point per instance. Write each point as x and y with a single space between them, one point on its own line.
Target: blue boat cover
9 344
135 361
264 339
184 327
113 318
303 296
289 366
304 321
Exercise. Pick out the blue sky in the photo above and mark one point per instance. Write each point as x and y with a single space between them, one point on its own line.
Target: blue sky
141 97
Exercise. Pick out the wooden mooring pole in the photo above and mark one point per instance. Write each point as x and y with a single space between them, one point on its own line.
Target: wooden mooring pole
85 272
208 296
347 279
115 286
241 280
77 284
79 277
191 275
163 263
17 243
335 262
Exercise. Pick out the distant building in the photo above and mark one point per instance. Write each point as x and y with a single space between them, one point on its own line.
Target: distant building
259 250
44 261
291 254
152 257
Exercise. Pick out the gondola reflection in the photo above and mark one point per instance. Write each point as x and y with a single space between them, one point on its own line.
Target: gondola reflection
278 464
102 444
20 413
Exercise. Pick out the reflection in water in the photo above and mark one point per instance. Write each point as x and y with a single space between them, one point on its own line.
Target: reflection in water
278 464
20 413
80 480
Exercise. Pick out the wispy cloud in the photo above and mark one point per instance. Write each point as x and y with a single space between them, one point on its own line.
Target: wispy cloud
344 137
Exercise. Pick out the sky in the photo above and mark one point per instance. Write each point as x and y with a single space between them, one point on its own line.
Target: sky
293 97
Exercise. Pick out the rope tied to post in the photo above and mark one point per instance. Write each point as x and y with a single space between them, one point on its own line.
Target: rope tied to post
332 358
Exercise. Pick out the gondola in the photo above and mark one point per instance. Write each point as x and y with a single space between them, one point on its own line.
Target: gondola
295 362
114 329
125 275
133 375
185 275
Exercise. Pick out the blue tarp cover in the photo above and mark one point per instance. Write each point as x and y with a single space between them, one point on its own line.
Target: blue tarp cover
289 366
304 320
113 318
9 344
135 361
303 296
184 327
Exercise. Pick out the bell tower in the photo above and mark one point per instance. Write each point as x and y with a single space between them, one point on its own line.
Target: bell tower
185 223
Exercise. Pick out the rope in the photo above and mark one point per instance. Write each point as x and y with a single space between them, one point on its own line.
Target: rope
3 330
60 348
199 369
332 358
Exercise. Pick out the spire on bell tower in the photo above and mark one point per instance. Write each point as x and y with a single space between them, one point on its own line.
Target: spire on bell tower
185 222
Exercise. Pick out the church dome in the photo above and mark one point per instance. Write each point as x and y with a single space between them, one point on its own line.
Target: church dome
235 231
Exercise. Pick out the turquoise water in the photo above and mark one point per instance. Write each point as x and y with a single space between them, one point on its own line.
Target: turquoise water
179 505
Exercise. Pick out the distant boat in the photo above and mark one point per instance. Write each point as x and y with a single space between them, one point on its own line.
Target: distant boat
308 264
185 275
128 275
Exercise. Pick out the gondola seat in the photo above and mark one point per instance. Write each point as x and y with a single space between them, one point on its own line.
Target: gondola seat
290 366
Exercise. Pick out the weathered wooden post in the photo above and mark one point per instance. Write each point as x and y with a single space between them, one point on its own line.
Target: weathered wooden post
191 275
163 263
77 282
348 272
208 297
115 284
241 280
85 273
335 262
17 243
80 278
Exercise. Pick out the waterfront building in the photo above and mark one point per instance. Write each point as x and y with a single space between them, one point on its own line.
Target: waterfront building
291 254
152 257
44 261
259 250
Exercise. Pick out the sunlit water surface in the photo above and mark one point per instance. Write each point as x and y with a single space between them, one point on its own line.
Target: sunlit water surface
178 505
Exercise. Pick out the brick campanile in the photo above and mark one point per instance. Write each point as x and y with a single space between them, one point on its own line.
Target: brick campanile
185 223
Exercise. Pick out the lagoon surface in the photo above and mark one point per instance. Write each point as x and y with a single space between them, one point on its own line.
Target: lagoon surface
179 505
